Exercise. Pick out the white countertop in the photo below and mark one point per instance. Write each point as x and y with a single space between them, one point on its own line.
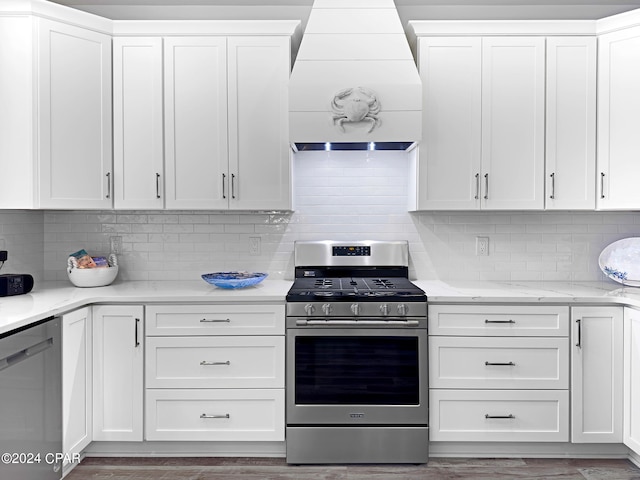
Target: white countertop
54 298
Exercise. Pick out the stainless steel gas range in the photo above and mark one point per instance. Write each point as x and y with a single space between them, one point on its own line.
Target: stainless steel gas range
357 363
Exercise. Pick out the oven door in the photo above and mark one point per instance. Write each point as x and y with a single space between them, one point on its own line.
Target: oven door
357 376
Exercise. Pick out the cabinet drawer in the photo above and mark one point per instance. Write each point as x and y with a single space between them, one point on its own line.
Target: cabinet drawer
487 320
203 415
497 362
215 362
499 415
214 320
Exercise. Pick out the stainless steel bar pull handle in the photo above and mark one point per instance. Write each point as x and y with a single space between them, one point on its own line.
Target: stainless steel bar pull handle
204 362
215 320
224 182
500 416
157 185
477 186
579 323
108 185
499 321
508 364
204 415
553 186
233 185
486 186
601 184
137 338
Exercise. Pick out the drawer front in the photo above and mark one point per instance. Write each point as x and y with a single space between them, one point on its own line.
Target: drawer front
214 320
499 415
215 362
499 320
223 415
501 363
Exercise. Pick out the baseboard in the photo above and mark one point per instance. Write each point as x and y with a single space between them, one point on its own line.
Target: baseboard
186 449
527 450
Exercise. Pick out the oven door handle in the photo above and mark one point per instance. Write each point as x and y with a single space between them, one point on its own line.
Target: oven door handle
378 323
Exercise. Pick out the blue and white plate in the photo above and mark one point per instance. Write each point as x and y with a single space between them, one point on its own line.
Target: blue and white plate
620 261
234 279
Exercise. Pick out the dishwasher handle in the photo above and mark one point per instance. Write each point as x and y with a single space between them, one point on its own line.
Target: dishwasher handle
21 355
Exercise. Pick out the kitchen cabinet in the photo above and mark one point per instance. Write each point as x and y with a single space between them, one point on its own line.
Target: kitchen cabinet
138 154
498 373
215 373
631 429
596 374
226 111
77 408
571 123
618 119
483 117
56 98
118 355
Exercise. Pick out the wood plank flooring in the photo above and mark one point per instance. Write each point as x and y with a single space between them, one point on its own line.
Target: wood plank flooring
277 469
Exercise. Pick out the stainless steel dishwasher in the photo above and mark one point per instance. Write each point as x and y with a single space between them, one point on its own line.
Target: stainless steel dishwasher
31 402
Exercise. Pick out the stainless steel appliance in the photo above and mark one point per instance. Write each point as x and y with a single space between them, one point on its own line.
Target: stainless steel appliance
357 363
31 402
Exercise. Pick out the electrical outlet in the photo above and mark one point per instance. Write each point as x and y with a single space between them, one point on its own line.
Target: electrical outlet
116 244
254 245
482 246
4 255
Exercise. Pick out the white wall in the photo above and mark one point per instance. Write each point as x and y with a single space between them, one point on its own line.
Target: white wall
354 195
21 234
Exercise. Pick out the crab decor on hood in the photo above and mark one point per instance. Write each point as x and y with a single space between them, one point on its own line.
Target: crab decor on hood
354 105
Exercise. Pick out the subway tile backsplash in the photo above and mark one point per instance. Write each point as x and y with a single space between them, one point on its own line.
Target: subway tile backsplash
346 195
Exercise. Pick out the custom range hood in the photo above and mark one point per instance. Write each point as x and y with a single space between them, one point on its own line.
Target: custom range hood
354 84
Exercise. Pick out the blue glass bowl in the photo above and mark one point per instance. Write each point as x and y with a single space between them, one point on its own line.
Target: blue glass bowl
233 279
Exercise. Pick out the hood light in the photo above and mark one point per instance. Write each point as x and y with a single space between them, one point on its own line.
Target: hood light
335 146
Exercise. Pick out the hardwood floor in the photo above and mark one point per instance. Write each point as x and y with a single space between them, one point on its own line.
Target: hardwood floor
277 469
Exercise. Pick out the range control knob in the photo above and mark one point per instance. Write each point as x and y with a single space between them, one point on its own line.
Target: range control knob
384 309
309 308
326 308
355 309
402 310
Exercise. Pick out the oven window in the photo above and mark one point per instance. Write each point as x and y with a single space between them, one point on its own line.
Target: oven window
349 370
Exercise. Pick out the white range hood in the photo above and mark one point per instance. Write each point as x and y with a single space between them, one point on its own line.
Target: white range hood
354 79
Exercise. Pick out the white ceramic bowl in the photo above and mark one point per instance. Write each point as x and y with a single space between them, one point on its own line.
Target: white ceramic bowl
92 277
620 261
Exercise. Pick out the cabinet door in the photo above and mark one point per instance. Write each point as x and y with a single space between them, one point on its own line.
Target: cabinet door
259 162
137 122
596 377
77 409
632 379
619 119
118 372
513 100
449 158
195 101
74 106
571 123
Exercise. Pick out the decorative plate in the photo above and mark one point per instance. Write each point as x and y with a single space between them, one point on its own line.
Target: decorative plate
620 261
233 279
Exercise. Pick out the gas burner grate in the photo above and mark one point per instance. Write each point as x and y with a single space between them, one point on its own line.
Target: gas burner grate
323 283
383 283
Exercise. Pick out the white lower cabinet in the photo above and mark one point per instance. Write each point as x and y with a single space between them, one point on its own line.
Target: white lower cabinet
215 373
631 429
77 408
118 355
596 375
498 373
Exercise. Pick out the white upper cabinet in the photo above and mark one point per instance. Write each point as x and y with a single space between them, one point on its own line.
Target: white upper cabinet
56 114
483 139
201 122
138 154
449 166
259 162
619 120
513 123
196 141
571 123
